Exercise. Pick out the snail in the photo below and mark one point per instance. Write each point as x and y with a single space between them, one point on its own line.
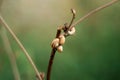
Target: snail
55 43
71 31
60 48
61 39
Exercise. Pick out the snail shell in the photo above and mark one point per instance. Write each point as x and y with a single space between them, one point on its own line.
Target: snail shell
60 48
72 31
62 39
55 43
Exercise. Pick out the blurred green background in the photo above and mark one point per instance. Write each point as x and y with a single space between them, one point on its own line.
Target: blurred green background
93 53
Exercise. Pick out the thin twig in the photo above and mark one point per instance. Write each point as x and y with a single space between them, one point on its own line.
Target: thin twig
94 11
4 24
70 27
10 54
52 55
73 17
50 63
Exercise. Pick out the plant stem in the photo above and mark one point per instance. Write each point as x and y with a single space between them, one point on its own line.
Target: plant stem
10 54
4 24
50 63
94 11
73 17
52 55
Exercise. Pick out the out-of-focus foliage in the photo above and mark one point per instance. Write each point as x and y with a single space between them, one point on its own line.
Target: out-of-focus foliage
93 53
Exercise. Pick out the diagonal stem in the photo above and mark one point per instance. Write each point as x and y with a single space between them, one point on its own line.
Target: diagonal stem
4 24
10 54
94 11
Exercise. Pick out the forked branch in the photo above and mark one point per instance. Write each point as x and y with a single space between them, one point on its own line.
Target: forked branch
69 30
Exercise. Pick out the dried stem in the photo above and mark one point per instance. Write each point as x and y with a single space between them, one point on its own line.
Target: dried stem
70 27
50 63
4 24
52 55
10 54
73 17
94 11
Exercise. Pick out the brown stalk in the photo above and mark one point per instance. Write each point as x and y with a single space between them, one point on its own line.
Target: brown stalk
52 55
50 63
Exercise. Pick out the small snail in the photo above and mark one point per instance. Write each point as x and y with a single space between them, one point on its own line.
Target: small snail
55 43
72 31
60 48
61 39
